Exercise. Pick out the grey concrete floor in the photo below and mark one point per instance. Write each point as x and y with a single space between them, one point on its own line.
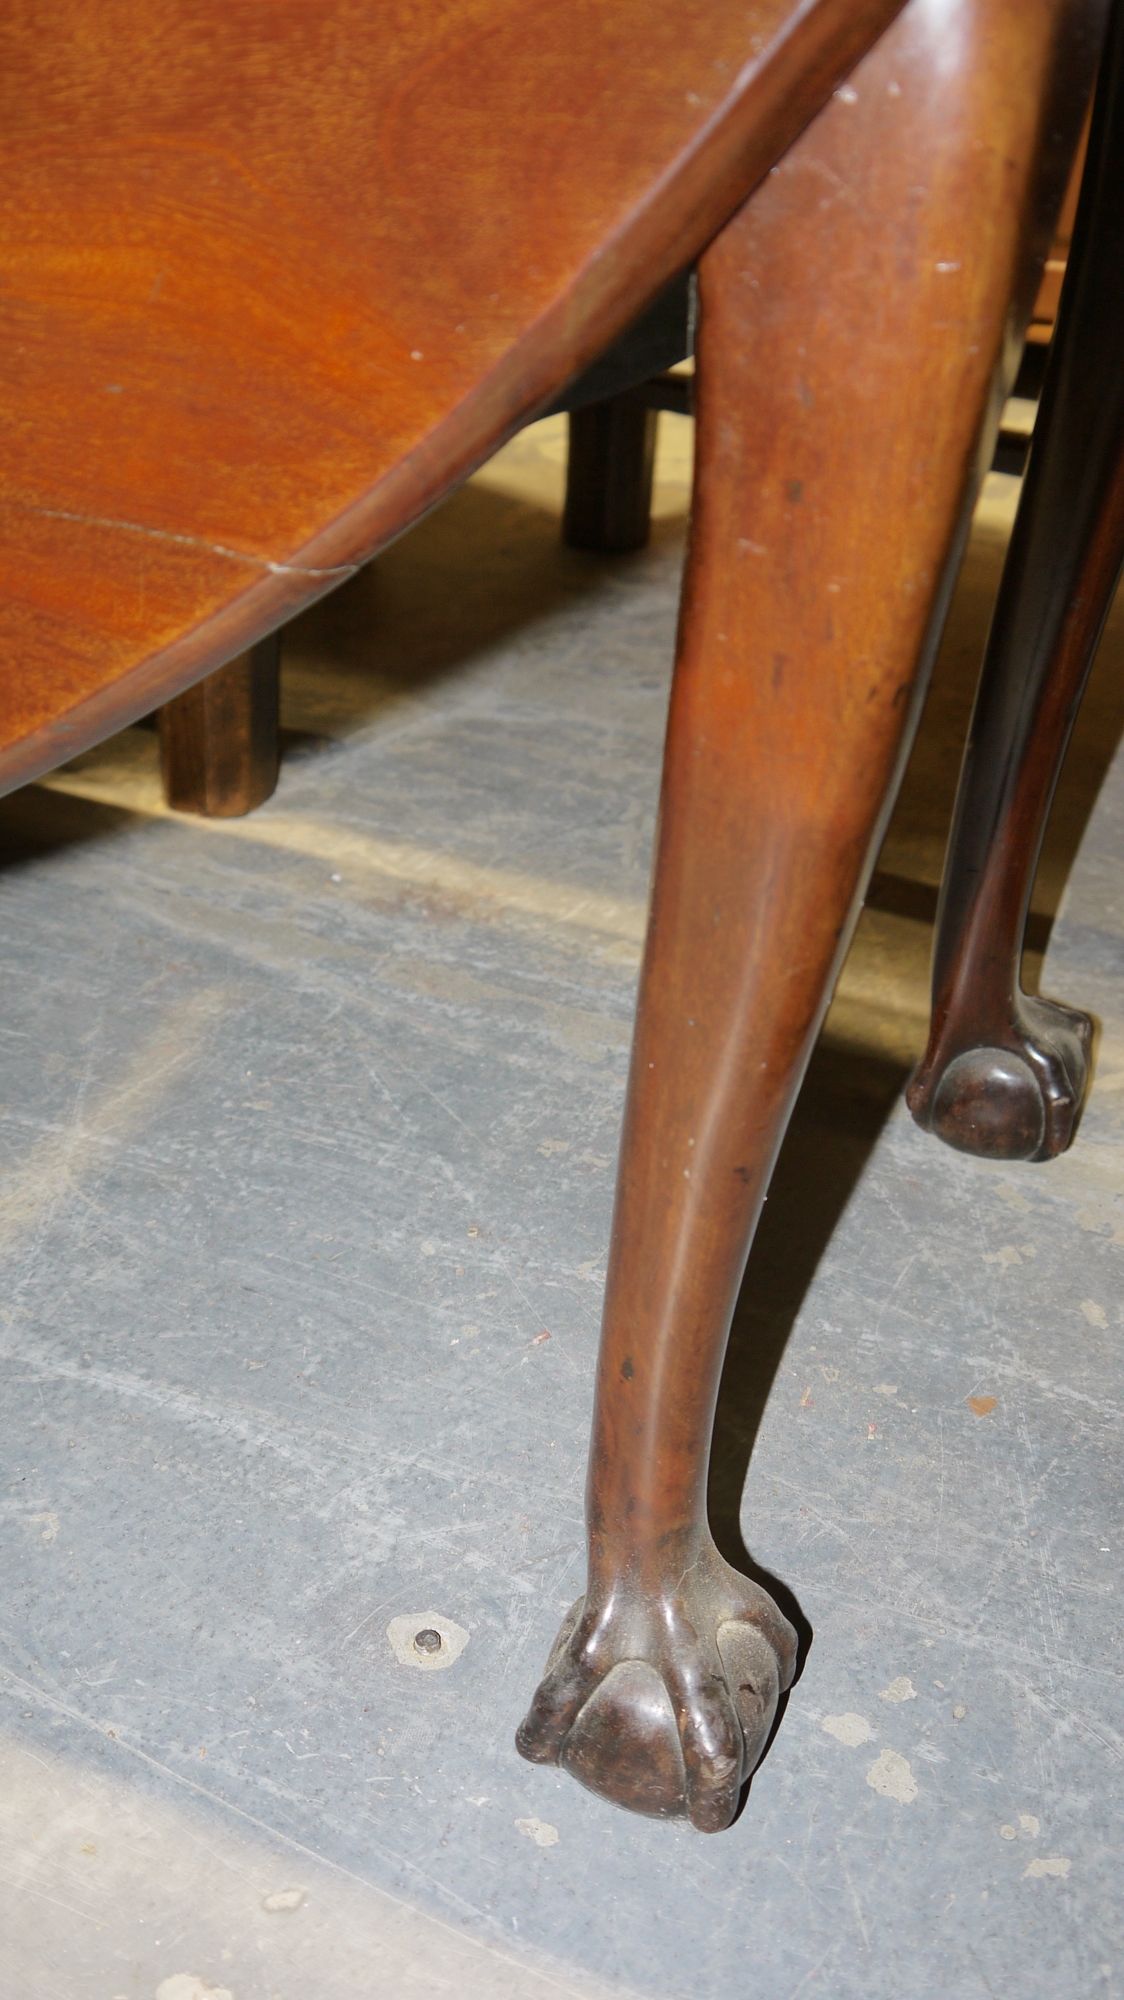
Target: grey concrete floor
308 1135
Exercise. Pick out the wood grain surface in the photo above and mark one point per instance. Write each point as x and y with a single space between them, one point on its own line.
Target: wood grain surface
274 277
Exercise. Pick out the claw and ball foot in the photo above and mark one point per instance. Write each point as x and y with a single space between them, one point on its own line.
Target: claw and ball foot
663 1702
1016 1100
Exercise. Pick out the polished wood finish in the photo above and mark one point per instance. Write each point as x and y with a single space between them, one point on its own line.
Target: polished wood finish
859 326
609 476
220 753
275 279
657 341
1005 1071
219 739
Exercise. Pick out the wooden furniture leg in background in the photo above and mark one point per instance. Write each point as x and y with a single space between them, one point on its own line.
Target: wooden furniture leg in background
1005 1071
613 416
851 319
609 476
612 456
218 740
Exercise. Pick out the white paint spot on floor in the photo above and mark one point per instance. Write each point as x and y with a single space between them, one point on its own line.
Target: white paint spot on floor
284 1899
1004 1256
885 1388
849 1729
402 1633
891 1777
901 1689
959 1713
1008 1833
1048 1864
1029 1825
47 1524
540 1831
1094 1313
188 1986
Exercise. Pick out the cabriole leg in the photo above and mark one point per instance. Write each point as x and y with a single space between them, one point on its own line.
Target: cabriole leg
851 319
1005 1071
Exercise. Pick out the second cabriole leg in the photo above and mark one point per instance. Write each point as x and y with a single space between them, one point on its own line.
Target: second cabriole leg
1005 1071
851 319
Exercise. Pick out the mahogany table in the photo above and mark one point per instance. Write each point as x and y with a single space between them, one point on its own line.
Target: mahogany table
276 278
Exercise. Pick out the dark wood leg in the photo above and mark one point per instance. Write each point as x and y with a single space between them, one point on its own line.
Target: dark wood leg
851 319
609 476
1005 1071
218 741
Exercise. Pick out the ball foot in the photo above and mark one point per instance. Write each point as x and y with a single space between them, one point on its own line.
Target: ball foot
1018 1100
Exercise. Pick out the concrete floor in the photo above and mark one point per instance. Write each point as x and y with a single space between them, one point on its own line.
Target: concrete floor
308 1134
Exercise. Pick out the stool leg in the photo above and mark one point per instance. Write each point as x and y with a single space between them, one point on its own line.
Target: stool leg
218 740
609 476
1005 1071
851 319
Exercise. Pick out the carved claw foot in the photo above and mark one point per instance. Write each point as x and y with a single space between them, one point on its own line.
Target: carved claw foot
1017 1101
661 1700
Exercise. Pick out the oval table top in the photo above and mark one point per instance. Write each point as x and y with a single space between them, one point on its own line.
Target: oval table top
279 273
